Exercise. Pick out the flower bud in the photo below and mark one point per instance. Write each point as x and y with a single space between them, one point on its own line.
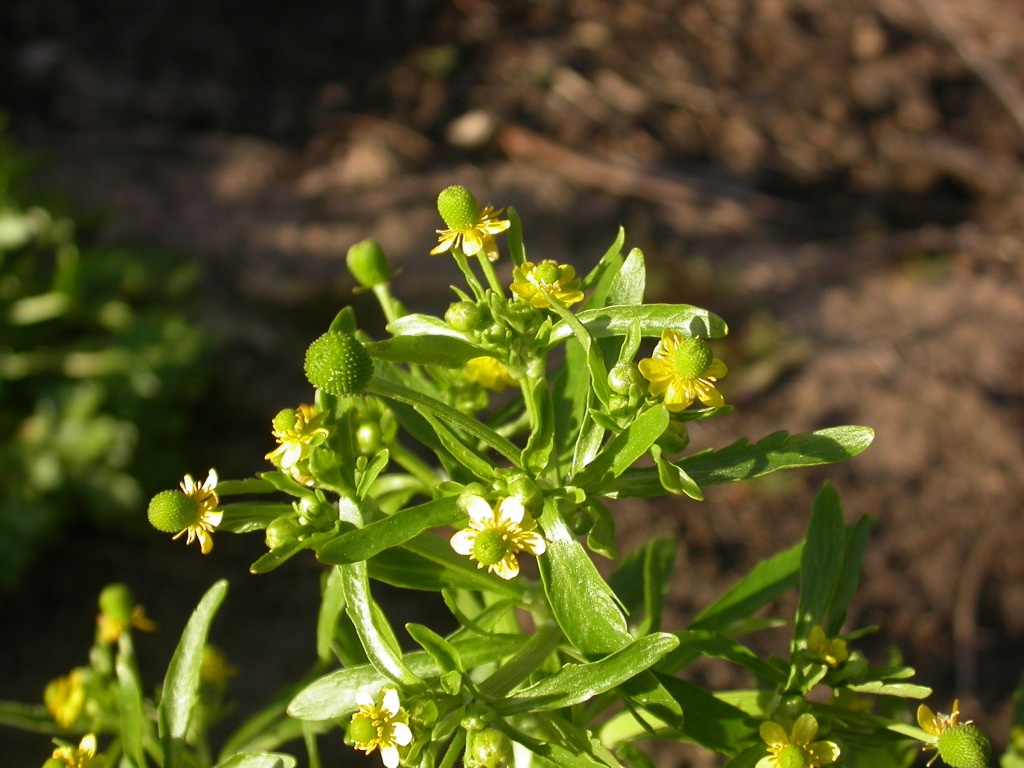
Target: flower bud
465 316
368 264
172 511
488 748
470 490
285 420
458 207
525 488
623 378
280 530
117 603
368 437
338 364
964 746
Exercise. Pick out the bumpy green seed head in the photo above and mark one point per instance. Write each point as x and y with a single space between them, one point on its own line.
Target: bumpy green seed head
964 746
489 547
547 272
117 602
368 263
172 511
793 756
458 207
285 420
338 364
692 358
361 730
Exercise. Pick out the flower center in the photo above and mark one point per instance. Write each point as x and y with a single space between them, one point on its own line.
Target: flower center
793 756
285 420
489 547
691 358
362 729
547 273
458 208
173 511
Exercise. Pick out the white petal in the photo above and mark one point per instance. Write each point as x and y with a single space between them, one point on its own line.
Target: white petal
389 756
478 509
211 481
512 510
401 734
390 702
462 542
533 542
363 699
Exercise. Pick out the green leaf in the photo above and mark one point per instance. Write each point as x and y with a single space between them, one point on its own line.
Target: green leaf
238 487
749 757
129 701
709 721
626 447
570 581
588 441
461 452
445 351
247 517
577 683
717 646
519 666
542 437
344 321
515 237
822 563
564 745
374 468
180 691
363 543
743 461
642 579
604 272
334 695
627 289
882 688
673 478
278 556
259 760
332 603
653 319
593 356
375 634
423 325
441 651
853 559
34 718
462 571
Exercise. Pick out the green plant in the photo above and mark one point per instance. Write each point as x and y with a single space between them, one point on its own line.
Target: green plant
566 668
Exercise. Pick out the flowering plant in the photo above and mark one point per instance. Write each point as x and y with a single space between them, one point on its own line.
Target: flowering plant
552 663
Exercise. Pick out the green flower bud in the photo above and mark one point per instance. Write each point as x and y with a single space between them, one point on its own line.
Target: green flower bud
489 748
368 437
172 511
465 316
525 488
964 746
281 530
624 377
338 364
470 489
117 602
368 264
458 207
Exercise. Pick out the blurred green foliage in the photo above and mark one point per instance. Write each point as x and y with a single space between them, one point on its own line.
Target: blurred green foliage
98 361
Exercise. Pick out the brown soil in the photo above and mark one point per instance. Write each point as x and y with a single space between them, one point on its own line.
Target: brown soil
840 181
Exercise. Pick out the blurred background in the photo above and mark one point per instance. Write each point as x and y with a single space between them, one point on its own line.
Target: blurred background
180 181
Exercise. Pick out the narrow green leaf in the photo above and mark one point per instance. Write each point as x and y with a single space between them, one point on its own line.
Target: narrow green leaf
853 559
709 721
374 468
129 701
334 695
332 603
577 683
441 651
749 757
604 271
594 358
626 447
717 646
34 718
743 461
247 517
542 437
344 321
653 319
588 441
180 691
570 580
461 452
882 688
673 478
445 351
642 579
238 487
821 564
515 237
363 543
259 760
423 325
565 745
518 667
627 288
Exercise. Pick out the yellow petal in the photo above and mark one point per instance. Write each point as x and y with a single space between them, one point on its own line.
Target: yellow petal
823 752
927 720
773 734
472 242
710 396
805 729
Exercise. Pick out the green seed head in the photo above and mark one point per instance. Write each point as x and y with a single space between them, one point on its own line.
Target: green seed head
117 602
489 547
458 207
172 511
368 264
285 420
361 729
692 358
338 364
464 316
547 272
793 756
964 746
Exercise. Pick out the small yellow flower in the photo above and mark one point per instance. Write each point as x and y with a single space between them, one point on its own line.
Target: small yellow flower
118 611
208 516
959 743
64 698
559 280
832 652
489 373
297 432
471 237
380 725
683 370
214 670
496 535
797 748
82 756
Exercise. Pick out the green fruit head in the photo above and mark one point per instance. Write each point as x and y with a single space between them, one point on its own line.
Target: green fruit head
117 602
368 264
965 746
793 756
172 511
338 364
458 207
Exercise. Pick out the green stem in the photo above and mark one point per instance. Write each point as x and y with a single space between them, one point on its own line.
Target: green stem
412 464
471 279
391 307
454 749
492 277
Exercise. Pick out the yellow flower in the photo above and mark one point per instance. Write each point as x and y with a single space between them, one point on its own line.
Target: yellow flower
118 611
958 743
559 280
82 756
297 432
495 536
380 725
489 373
208 516
64 698
832 652
214 669
683 370
475 237
797 748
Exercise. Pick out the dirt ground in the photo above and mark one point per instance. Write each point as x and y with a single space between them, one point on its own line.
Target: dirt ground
840 181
